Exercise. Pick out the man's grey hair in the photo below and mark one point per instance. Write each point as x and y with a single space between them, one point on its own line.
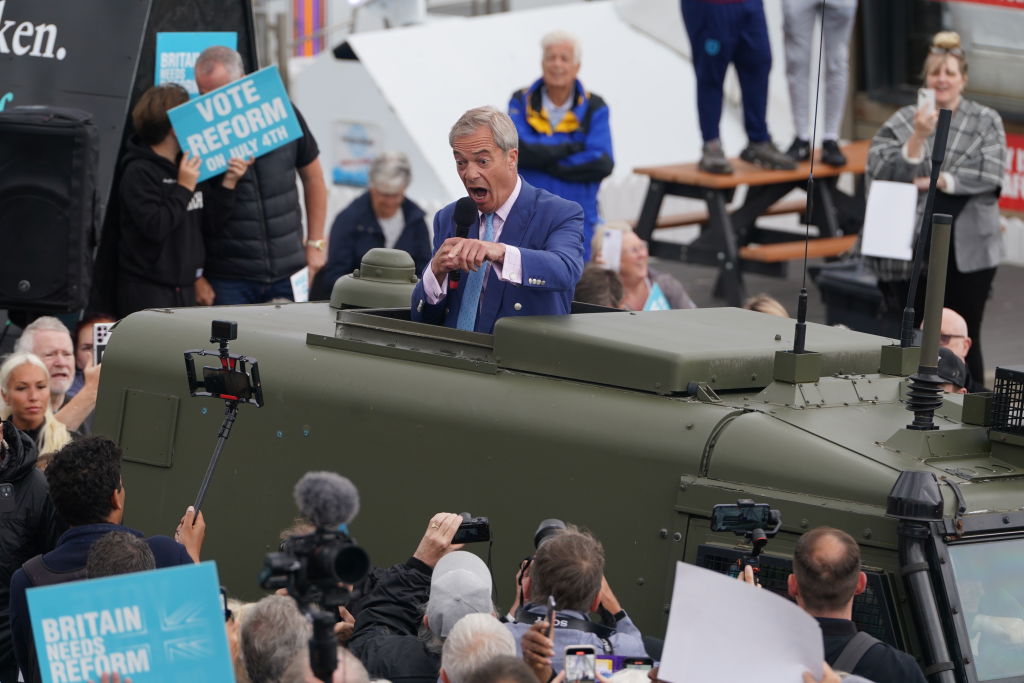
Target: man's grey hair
390 172
562 38
502 129
222 55
350 669
474 640
273 637
118 552
47 323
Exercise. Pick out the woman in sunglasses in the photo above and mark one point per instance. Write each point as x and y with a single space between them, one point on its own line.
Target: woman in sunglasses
968 187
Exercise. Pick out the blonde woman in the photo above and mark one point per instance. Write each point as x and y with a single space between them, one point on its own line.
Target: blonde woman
25 389
644 289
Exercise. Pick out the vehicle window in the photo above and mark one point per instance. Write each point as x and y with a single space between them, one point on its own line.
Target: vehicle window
987 578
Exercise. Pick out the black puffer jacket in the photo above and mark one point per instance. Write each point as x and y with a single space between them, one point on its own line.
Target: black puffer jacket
261 239
386 639
29 525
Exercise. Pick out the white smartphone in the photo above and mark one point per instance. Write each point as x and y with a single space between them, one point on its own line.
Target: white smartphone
580 663
100 338
926 98
611 248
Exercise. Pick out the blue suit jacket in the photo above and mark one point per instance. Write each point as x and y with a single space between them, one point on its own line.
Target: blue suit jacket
548 231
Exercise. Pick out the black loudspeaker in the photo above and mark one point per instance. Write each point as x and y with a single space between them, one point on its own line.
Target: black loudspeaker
48 207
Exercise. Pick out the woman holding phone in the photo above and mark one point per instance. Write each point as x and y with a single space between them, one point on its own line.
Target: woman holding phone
968 188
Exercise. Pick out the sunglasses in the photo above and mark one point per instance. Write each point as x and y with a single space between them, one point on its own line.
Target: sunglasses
955 51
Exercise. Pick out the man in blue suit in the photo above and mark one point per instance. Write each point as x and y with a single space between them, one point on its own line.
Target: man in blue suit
523 255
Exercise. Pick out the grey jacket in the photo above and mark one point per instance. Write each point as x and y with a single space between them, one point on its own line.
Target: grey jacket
626 640
975 158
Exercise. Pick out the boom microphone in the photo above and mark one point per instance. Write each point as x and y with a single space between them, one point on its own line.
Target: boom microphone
465 216
326 499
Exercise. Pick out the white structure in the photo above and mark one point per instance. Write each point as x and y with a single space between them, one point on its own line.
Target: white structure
409 85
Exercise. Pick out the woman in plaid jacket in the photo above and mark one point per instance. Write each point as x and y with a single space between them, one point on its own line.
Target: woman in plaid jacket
968 189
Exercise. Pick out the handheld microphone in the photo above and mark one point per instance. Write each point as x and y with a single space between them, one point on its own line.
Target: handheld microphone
326 499
465 216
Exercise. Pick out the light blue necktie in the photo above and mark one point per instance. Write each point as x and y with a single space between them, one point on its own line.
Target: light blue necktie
475 284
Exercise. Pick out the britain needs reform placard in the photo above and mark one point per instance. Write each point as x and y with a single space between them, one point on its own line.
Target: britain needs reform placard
244 119
160 625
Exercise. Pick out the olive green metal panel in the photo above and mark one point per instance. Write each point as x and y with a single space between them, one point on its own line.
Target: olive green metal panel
153 446
662 352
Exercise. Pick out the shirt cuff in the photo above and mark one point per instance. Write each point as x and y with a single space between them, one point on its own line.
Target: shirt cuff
906 155
434 290
950 183
511 270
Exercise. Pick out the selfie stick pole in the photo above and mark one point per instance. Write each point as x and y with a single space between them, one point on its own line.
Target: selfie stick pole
230 413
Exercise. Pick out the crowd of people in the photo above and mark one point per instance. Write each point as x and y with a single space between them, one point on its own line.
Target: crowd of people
429 618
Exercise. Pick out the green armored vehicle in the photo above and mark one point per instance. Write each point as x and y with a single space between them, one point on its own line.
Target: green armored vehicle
633 425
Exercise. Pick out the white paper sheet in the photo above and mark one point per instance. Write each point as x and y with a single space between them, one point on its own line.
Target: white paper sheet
611 248
889 220
721 629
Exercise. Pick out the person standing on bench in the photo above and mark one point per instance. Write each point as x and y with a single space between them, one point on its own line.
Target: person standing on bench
799 17
723 33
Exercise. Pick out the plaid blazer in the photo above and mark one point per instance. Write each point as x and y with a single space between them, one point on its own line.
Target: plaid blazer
975 160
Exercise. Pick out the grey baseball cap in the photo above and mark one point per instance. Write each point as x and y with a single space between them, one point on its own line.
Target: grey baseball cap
460 585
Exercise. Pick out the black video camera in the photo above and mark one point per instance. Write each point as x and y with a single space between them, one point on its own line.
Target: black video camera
757 522
473 529
316 567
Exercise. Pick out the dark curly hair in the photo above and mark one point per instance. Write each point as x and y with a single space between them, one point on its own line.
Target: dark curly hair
82 477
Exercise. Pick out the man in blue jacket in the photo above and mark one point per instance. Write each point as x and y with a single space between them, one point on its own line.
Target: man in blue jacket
524 253
565 142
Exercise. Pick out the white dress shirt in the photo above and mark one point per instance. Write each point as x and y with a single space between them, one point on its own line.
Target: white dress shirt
511 270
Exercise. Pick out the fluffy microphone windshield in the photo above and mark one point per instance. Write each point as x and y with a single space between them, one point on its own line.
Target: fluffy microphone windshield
326 499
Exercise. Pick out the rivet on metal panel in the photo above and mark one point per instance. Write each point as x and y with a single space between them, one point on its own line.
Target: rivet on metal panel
867 533
753 377
666 608
677 536
640 581
804 524
778 337
663 533
279 434
689 426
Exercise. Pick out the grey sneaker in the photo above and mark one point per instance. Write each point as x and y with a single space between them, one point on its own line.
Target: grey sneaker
767 155
713 159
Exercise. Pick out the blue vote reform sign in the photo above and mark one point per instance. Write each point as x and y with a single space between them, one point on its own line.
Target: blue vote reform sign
244 119
160 625
176 55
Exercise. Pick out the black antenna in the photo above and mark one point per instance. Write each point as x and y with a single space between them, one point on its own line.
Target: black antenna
924 235
800 337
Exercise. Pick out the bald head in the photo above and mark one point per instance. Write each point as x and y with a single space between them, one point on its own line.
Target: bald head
953 333
826 569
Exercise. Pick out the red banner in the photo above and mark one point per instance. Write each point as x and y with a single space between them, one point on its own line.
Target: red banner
1013 4
1012 198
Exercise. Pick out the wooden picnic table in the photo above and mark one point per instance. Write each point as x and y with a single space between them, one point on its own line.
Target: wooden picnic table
724 235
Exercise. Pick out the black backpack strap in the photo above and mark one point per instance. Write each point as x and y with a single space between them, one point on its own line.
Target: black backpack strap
854 651
41 575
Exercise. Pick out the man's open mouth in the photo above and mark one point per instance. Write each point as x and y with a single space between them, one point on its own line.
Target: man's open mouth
478 192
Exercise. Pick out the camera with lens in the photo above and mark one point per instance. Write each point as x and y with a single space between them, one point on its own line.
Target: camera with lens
472 529
316 568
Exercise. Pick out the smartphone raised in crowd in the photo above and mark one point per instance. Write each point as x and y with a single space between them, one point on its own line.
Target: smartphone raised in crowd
926 98
100 338
551 615
580 663
642 663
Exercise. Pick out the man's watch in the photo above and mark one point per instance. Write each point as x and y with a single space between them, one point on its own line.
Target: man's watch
316 244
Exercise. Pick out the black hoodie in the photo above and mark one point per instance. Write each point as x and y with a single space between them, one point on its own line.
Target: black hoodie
161 221
29 524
